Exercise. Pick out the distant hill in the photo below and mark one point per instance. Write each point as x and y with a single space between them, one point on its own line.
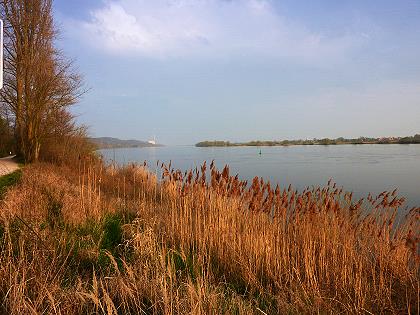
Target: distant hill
110 143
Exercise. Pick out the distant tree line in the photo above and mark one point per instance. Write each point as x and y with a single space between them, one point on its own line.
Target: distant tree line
214 144
408 140
324 141
40 85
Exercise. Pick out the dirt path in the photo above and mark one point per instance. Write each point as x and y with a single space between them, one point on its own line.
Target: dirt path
8 165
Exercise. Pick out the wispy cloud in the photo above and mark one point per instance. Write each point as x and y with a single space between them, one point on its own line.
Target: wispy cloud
208 28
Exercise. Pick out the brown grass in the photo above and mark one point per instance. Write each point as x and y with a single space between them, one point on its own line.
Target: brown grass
118 240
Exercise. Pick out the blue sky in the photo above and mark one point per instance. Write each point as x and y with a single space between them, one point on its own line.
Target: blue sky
238 70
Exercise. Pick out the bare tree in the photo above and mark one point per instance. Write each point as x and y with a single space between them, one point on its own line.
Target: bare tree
39 83
6 138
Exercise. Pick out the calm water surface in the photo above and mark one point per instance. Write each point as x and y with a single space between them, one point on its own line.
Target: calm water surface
358 168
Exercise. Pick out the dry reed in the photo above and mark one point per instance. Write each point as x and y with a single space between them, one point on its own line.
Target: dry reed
113 240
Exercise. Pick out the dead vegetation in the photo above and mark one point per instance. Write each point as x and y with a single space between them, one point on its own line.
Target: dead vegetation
118 240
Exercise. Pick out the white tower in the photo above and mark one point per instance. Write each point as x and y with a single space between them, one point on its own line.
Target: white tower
153 142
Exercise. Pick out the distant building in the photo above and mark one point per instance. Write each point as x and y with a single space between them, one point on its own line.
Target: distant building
152 142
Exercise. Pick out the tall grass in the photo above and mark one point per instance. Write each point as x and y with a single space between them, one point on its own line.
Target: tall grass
115 240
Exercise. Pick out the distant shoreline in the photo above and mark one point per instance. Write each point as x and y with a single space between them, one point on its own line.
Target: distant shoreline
107 147
338 141
115 143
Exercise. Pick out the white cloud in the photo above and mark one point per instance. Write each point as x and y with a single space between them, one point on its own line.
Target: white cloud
208 28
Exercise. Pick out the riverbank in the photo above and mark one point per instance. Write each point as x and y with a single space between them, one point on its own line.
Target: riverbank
99 239
326 141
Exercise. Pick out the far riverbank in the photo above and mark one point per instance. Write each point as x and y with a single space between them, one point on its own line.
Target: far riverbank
325 141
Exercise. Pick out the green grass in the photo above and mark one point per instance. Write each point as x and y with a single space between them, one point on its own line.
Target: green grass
9 180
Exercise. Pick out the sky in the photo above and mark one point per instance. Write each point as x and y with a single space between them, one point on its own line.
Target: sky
185 71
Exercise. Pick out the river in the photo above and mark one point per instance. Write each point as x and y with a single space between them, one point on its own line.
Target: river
358 168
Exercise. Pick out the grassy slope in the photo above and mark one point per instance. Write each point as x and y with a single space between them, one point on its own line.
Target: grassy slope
106 240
